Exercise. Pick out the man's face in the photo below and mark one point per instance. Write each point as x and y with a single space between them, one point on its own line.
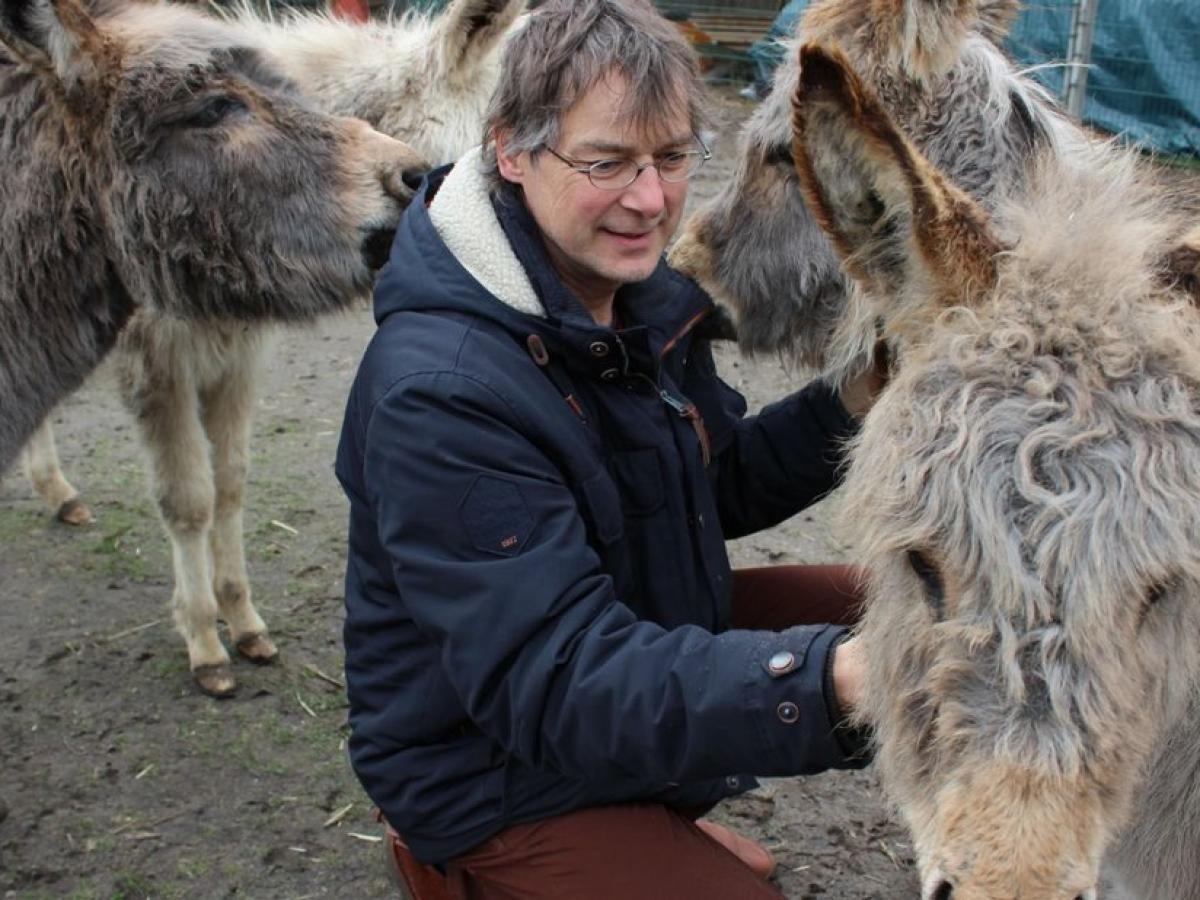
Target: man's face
600 239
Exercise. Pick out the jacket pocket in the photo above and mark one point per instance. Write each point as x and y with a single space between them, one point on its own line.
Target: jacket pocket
496 517
639 475
602 507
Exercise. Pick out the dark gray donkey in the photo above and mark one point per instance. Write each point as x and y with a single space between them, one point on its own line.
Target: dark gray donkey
146 163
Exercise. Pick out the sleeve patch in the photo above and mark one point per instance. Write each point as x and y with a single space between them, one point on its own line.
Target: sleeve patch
495 516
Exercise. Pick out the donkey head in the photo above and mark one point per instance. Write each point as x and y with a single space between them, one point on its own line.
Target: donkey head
1026 493
424 80
208 185
935 66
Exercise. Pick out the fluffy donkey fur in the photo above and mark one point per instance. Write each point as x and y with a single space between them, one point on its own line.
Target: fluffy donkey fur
1026 494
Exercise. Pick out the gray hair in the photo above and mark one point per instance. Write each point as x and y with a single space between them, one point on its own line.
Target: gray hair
569 46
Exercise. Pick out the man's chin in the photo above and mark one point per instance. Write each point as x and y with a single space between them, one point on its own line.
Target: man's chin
629 269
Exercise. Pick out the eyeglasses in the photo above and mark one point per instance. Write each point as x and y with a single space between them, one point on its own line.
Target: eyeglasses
618 174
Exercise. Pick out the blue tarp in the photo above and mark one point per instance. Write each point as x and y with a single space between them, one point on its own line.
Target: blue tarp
1144 81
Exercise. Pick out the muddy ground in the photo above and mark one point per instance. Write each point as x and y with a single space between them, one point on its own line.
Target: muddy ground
123 782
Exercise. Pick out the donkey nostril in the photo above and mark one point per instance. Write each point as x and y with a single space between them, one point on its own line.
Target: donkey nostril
944 891
412 178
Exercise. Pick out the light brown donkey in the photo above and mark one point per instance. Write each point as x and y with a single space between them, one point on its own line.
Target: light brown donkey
1026 494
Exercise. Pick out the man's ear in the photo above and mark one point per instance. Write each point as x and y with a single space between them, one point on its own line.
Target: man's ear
512 168
904 232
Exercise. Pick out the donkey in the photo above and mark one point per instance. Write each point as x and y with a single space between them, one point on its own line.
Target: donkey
144 164
938 70
423 80
190 387
1026 494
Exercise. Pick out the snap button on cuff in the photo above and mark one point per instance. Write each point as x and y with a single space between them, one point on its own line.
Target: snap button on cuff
781 663
788 712
598 348
610 374
733 781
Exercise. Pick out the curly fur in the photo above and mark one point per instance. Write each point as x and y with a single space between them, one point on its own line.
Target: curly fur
1040 445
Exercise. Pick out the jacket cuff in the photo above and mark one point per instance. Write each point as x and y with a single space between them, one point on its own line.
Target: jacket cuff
799 729
855 741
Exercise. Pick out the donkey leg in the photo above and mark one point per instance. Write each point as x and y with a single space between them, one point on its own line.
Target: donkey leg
226 410
46 476
182 479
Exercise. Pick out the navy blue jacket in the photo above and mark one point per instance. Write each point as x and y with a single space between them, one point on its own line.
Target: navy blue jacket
538 589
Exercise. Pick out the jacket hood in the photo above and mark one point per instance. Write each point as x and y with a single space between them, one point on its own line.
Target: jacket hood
459 249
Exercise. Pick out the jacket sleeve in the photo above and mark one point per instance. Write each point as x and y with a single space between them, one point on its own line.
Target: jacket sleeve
781 460
492 562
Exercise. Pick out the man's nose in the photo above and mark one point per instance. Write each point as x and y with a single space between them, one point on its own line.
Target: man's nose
645 194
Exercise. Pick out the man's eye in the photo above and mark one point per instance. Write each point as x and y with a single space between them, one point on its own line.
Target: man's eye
675 162
608 168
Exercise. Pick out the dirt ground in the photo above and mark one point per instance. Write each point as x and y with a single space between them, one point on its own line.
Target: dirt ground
123 782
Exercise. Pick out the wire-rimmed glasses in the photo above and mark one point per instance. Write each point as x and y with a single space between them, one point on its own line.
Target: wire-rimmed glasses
619 173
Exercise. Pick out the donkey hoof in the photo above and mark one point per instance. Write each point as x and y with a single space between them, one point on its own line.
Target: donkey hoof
258 648
215 679
75 512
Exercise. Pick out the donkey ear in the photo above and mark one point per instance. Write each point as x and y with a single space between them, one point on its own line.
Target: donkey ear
904 232
469 30
1181 266
55 35
18 31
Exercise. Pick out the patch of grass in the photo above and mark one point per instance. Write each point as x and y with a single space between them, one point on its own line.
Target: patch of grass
19 523
131 886
193 868
118 547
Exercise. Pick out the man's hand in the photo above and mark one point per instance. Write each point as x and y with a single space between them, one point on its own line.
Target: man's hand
849 675
859 393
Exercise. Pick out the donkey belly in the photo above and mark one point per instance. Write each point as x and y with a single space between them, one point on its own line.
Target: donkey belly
1157 857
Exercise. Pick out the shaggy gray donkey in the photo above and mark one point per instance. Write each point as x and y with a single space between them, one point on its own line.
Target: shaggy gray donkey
1026 496
191 386
144 164
938 70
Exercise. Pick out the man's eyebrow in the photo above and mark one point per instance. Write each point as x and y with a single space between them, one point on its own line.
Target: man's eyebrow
611 147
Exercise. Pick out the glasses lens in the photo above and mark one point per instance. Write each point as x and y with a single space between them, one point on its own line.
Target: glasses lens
681 165
612 174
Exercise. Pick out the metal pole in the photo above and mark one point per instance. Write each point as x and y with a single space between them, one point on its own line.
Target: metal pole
1079 55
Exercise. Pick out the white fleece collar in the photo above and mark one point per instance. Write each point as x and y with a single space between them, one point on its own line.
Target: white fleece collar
463 216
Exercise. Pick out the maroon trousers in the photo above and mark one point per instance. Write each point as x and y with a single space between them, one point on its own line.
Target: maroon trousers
647 851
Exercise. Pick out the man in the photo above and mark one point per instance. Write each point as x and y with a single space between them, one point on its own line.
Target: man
543 467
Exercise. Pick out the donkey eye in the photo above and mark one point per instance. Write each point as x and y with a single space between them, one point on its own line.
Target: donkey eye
931 578
215 111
